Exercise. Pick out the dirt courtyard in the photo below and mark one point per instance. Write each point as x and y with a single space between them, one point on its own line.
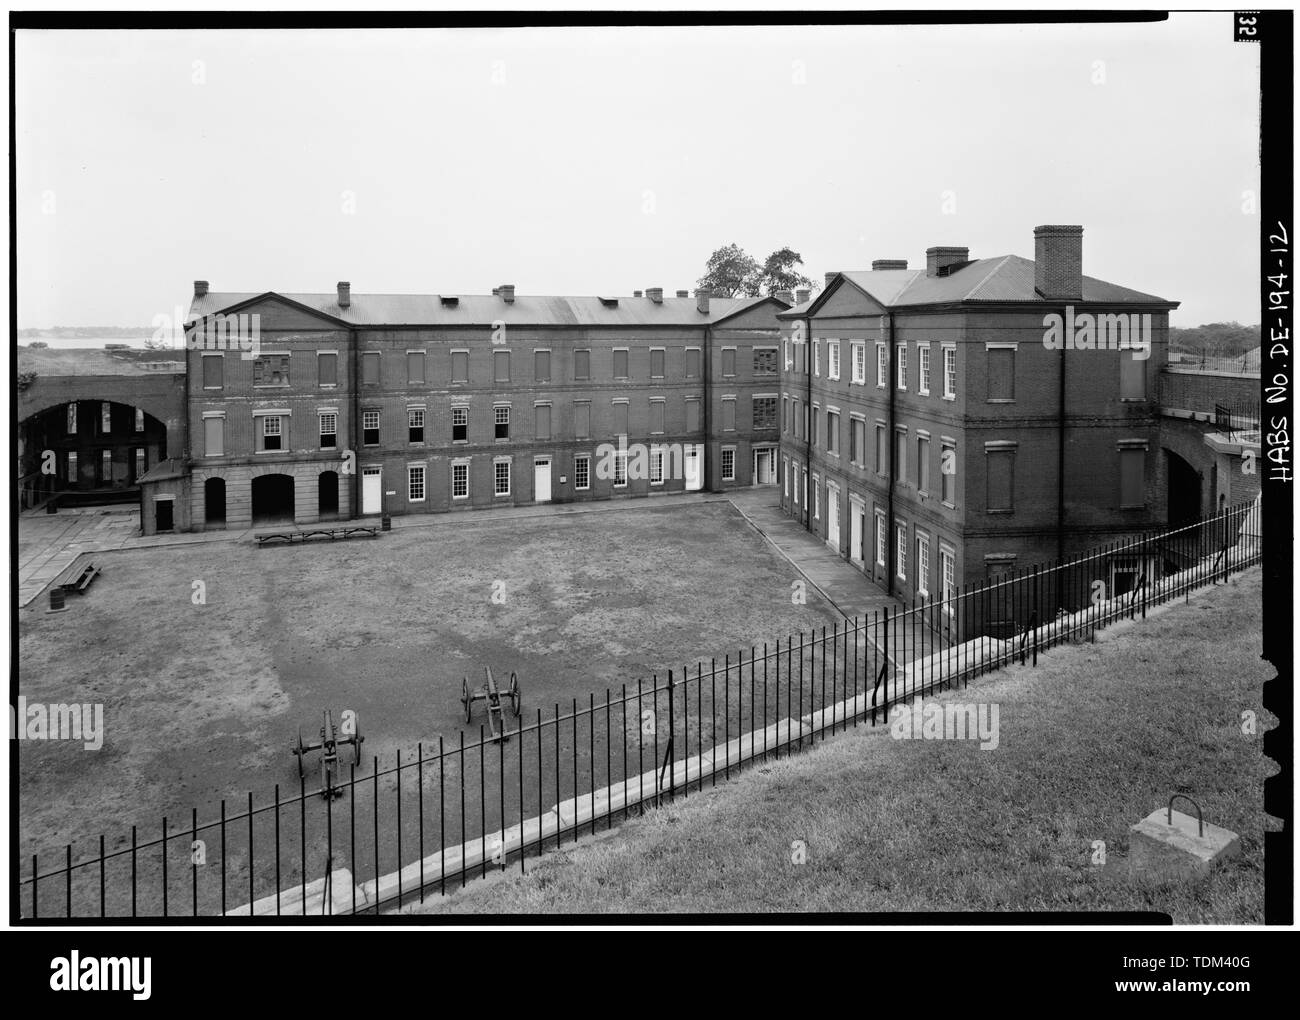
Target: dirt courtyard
208 657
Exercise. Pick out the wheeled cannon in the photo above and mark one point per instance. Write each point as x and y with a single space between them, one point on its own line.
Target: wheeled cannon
331 739
496 698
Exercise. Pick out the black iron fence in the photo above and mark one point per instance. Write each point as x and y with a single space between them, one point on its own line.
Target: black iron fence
446 812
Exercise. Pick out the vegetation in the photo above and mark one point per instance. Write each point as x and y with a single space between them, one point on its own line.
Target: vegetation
1215 339
732 272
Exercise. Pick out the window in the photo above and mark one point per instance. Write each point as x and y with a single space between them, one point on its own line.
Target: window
582 472
882 454
812 424
370 368
501 366
140 464
900 359
1132 476
72 467
900 456
817 498
620 363
271 370
1001 472
858 441
271 432
764 412
1132 377
765 361
501 417
880 538
214 436
460 480
370 428
922 563
541 366
214 374
105 418
656 362
657 465
106 466
728 414
948 473
620 418
582 364
788 362
728 464
832 359
900 551
817 357
501 477
72 418
950 373
415 368
542 421
620 469
923 359
785 476
922 463
728 361
415 483
948 576
692 363
460 366
139 420
460 424
832 432
656 417
1001 373
859 363
415 424
796 485
692 414
327 368
785 414
582 419
329 427
882 366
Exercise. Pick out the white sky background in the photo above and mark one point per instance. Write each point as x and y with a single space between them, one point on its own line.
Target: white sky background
614 159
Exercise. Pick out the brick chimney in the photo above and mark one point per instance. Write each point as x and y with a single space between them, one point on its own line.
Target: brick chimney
655 294
200 288
802 295
784 295
702 295
1058 262
345 294
942 257
636 293
683 293
880 264
830 277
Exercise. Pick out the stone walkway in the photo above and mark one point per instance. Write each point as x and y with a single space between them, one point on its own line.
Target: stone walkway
49 543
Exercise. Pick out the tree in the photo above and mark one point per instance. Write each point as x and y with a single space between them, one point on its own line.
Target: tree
731 272
779 272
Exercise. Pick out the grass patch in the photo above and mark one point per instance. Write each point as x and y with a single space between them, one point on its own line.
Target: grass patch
1091 741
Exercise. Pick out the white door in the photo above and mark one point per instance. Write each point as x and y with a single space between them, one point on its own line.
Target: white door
372 484
693 480
542 480
765 467
855 532
833 519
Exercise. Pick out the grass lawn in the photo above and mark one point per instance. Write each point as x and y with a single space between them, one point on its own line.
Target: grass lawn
201 700
1091 741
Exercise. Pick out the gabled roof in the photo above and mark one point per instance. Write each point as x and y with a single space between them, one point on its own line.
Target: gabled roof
484 309
1007 279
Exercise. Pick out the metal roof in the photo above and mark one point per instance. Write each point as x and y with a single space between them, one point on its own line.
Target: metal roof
485 309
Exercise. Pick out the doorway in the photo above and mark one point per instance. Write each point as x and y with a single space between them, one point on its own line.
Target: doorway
542 480
372 490
162 510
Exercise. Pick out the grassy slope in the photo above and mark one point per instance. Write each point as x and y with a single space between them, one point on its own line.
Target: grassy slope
1092 741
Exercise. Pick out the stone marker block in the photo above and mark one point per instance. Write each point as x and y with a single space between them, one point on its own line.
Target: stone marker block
1171 847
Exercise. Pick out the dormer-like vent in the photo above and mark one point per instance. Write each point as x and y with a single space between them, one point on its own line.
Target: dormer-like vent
609 302
449 302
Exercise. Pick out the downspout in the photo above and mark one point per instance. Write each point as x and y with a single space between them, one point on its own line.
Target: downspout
353 425
891 543
1060 466
706 359
810 419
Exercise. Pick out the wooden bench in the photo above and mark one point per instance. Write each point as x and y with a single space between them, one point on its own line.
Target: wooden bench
80 579
305 534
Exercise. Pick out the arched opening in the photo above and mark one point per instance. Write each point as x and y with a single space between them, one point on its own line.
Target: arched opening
328 500
273 499
214 502
87 452
1184 494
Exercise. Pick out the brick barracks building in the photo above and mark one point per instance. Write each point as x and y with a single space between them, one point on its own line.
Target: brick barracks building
931 438
351 405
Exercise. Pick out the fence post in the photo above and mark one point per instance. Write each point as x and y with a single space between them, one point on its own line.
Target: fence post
672 786
886 665
1037 614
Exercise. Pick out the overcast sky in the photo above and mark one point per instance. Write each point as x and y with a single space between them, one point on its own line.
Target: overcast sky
599 161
